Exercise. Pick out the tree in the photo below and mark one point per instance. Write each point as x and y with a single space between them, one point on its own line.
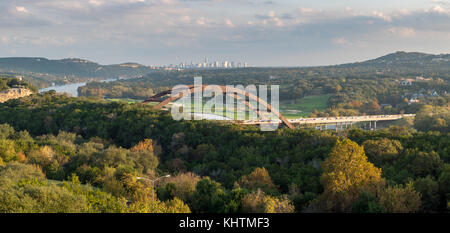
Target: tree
302 201
371 107
346 173
6 131
177 206
444 186
382 151
421 164
183 186
429 190
399 199
367 203
209 197
258 179
259 202
24 189
146 145
7 152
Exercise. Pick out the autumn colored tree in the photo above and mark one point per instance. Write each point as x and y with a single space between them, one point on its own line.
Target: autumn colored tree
259 202
258 179
371 107
177 206
146 145
346 173
182 186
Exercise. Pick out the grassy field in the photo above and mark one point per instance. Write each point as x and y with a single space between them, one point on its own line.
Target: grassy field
130 101
289 108
303 107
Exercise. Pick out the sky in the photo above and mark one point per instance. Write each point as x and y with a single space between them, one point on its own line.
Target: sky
259 32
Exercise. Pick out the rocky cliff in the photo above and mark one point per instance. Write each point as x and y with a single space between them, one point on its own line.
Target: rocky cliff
14 93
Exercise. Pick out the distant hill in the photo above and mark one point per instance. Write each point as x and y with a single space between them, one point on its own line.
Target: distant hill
70 67
406 60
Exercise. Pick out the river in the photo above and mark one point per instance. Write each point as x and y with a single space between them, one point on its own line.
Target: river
71 89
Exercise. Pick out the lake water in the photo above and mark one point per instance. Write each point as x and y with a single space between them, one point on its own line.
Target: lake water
71 89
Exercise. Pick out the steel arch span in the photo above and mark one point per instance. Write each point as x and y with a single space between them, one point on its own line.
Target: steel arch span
191 89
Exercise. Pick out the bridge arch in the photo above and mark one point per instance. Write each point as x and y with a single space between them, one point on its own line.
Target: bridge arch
236 91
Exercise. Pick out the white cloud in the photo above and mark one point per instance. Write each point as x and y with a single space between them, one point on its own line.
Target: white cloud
96 2
403 31
186 19
381 15
439 9
229 23
201 21
21 9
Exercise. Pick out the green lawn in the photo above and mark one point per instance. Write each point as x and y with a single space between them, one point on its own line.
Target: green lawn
130 101
303 107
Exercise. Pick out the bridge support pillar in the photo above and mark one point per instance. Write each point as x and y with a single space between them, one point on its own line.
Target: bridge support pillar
375 125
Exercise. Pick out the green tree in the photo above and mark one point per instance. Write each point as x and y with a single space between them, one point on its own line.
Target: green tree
367 203
7 151
209 197
400 199
420 163
429 190
382 151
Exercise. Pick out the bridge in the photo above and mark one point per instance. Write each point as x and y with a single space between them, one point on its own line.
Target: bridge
339 122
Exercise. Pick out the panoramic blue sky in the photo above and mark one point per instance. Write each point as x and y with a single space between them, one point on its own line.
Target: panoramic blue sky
260 32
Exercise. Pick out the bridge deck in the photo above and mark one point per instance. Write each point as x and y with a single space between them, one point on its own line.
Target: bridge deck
335 120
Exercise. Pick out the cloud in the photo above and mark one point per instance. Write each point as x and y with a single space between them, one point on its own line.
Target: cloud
403 31
229 23
21 9
381 15
272 19
201 21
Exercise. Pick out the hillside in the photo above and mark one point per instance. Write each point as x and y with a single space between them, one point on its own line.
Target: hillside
406 60
70 67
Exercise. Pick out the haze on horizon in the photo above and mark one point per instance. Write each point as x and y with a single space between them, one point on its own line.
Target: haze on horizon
260 32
